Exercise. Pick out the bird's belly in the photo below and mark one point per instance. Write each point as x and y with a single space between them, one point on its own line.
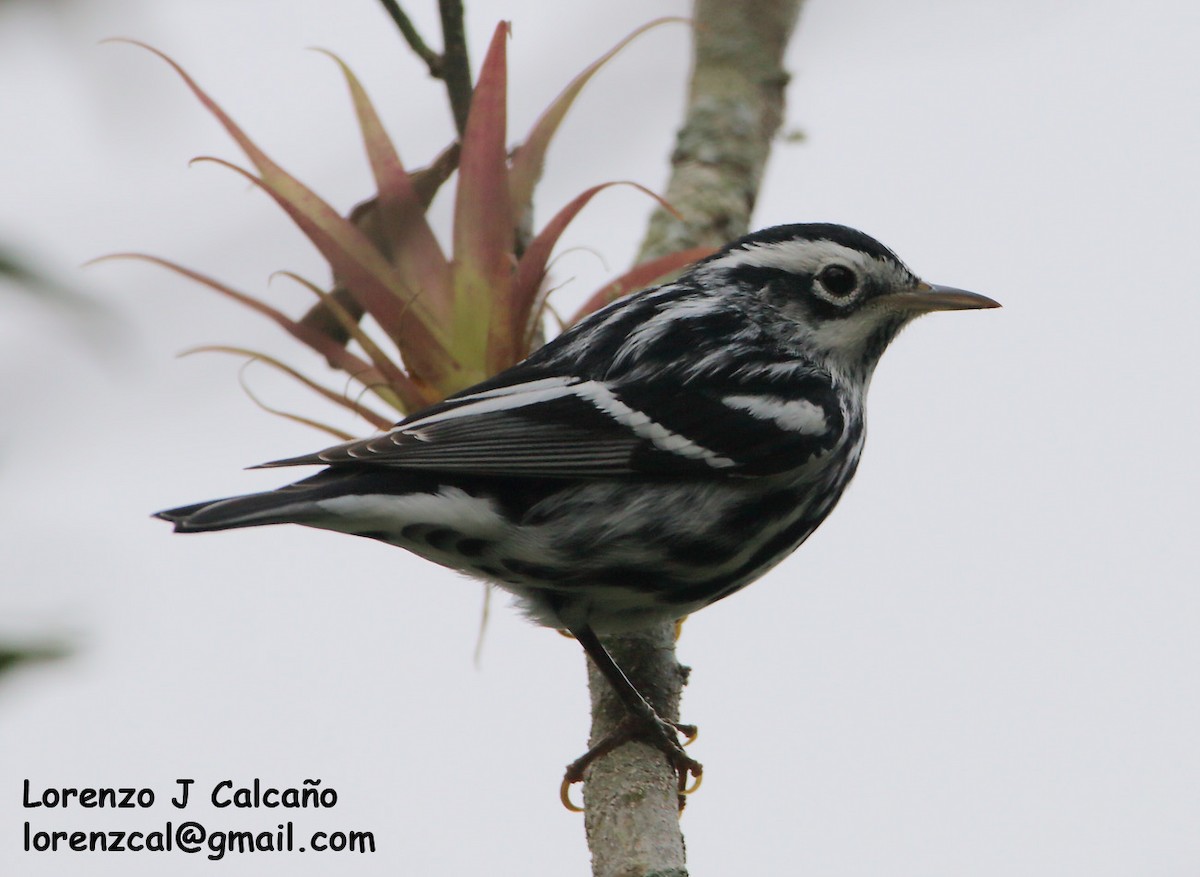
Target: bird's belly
698 544
612 554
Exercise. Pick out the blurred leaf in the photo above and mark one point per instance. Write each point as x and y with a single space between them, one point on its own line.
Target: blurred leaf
101 322
13 656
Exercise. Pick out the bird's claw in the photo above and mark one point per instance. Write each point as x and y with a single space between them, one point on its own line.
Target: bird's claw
691 732
564 792
657 732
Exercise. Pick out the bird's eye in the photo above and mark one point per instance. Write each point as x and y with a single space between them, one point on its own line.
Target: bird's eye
838 280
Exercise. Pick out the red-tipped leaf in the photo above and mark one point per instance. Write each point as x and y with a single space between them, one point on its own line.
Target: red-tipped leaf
362 269
638 277
375 419
528 159
406 397
528 294
483 230
361 266
335 353
410 244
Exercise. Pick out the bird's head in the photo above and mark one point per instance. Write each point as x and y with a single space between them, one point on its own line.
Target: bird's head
841 294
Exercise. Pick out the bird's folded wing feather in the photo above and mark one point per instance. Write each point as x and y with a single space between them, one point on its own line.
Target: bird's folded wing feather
570 427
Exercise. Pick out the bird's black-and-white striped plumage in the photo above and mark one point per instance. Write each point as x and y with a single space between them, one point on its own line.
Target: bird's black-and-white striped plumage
658 456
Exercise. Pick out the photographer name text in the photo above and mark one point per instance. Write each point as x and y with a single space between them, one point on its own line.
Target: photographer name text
190 836
224 794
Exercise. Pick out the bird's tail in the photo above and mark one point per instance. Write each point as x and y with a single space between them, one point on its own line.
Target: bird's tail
299 503
286 506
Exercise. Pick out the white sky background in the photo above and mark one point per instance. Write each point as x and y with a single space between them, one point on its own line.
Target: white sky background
984 663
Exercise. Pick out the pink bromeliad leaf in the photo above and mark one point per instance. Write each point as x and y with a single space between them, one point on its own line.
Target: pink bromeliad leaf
344 359
528 293
529 158
453 321
426 359
410 243
639 277
349 252
377 420
393 375
483 232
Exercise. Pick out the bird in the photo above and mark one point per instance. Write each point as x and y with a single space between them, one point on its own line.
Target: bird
656 457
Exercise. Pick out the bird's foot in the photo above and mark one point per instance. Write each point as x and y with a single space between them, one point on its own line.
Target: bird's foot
649 728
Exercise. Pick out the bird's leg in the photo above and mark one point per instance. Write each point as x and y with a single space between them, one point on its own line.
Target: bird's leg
641 722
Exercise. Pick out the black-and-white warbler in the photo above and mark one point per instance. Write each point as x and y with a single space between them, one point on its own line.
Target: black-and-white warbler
660 455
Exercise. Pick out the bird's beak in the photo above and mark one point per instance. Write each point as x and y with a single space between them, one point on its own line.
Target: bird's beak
925 297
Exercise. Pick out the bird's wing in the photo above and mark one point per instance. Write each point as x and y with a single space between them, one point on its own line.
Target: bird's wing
573 427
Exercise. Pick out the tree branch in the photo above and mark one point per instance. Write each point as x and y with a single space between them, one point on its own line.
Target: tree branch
735 106
453 65
431 58
456 64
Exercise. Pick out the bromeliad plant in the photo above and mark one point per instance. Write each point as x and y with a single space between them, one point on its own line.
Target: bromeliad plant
450 321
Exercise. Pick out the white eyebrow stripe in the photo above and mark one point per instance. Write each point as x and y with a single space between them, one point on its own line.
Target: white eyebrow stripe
809 257
801 256
794 415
